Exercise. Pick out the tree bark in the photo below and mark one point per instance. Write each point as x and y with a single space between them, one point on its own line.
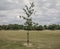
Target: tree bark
28 38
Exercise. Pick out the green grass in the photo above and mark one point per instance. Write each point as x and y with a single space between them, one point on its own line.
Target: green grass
14 39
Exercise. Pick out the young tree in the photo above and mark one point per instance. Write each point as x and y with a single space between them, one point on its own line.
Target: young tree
29 10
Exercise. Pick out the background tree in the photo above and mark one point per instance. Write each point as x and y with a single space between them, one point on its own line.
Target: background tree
52 27
40 27
33 27
28 24
45 27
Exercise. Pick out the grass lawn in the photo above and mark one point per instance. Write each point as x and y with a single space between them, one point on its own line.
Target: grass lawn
14 39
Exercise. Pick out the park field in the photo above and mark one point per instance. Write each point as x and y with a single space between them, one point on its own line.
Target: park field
15 39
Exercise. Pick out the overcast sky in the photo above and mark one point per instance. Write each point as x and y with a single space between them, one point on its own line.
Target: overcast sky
48 11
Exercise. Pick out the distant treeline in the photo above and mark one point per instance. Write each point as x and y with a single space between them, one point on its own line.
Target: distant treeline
34 27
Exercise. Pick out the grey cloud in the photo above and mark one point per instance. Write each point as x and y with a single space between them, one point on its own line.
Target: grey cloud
57 23
48 12
6 5
1 16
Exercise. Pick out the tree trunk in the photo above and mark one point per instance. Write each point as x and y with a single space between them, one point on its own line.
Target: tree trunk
28 38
